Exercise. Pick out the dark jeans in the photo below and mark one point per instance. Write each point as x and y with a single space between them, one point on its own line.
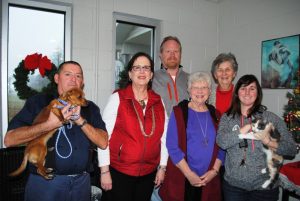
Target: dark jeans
129 188
60 188
232 193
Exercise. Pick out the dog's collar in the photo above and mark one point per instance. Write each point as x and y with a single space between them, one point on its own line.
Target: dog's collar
62 102
65 103
74 117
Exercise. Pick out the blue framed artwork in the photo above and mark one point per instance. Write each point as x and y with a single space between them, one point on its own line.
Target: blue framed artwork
280 63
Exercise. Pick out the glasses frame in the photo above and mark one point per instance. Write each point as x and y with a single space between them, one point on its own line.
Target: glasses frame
141 68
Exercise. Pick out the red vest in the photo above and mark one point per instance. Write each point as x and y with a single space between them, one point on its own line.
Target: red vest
130 151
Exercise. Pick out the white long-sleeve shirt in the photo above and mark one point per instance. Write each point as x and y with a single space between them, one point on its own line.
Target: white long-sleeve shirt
110 116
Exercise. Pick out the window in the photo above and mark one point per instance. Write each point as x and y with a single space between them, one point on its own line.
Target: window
30 27
134 34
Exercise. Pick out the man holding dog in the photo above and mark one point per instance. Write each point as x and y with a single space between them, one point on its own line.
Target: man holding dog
71 156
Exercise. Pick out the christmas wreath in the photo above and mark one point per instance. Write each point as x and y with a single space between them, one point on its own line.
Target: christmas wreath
28 65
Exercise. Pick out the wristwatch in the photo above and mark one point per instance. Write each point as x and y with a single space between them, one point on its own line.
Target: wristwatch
83 123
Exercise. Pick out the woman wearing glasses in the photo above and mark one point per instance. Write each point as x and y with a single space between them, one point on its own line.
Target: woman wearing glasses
136 122
192 172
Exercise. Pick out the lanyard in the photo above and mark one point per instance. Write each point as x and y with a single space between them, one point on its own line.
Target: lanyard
242 124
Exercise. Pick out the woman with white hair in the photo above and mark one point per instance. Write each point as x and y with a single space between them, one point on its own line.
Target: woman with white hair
192 172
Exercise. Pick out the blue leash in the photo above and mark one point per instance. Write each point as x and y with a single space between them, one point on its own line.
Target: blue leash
63 131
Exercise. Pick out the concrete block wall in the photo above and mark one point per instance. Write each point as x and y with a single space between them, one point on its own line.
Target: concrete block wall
195 22
244 24
205 28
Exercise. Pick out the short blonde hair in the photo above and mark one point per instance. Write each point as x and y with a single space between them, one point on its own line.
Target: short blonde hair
199 76
174 38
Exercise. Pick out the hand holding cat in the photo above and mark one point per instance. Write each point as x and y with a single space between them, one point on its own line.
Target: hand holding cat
246 133
245 129
263 136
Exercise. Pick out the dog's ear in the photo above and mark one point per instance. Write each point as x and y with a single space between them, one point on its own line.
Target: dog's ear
64 95
82 93
76 92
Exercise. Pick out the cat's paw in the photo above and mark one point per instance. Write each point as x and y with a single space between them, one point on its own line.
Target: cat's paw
247 136
266 184
264 171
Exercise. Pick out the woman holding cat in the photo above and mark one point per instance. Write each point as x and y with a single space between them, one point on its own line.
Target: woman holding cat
244 158
136 122
192 172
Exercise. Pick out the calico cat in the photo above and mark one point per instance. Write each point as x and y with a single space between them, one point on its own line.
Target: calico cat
260 130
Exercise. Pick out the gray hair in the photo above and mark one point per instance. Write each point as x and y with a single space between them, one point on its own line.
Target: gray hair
222 58
199 76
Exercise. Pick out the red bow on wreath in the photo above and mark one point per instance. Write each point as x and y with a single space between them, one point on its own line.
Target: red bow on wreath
36 60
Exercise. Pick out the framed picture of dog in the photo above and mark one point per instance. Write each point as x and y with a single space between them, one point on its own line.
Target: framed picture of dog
280 63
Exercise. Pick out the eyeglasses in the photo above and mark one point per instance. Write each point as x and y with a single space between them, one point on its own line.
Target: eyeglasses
200 88
140 68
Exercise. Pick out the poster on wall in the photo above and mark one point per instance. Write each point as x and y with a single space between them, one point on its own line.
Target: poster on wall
280 62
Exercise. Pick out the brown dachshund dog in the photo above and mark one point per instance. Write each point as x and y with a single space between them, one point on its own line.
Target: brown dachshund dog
36 150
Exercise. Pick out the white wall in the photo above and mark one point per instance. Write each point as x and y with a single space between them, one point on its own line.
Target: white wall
195 22
205 29
244 24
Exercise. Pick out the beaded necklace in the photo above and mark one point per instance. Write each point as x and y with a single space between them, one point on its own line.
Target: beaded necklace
141 124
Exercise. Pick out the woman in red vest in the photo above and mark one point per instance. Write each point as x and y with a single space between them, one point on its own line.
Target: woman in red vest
192 172
136 122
